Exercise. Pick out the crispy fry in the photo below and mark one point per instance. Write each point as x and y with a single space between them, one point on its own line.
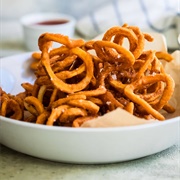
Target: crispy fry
71 113
56 113
120 33
61 101
36 55
129 92
43 117
59 38
80 120
127 60
130 107
79 80
61 85
85 104
12 107
170 109
33 105
164 56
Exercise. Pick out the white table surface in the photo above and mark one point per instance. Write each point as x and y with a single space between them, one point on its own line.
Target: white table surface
164 165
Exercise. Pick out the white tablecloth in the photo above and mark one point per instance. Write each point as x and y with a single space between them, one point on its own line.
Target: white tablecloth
162 16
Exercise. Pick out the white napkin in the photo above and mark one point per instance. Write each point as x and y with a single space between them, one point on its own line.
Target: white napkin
161 16
120 118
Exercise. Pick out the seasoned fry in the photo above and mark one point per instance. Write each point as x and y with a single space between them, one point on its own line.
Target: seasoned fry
79 80
33 105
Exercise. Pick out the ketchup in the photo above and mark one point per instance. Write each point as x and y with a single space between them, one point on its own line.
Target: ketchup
52 22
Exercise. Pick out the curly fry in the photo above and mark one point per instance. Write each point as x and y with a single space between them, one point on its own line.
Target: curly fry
13 106
85 104
55 114
70 88
48 37
98 45
79 80
80 120
164 55
119 33
43 117
61 101
36 55
70 113
33 105
130 107
129 92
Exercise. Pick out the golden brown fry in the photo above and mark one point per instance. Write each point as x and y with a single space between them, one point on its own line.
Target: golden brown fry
28 87
85 104
41 93
130 107
13 107
79 81
55 114
59 38
43 117
150 57
61 101
164 56
129 92
80 120
61 85
36 55
33 105
168 108
127 60
71 113
120 33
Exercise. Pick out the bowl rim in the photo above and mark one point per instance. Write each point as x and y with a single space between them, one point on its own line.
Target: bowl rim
90 129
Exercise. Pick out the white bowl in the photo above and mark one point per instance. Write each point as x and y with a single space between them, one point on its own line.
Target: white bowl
36 24
88 145
80 145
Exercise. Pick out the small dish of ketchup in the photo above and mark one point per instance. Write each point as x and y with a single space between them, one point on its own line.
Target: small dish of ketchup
52 22
36 24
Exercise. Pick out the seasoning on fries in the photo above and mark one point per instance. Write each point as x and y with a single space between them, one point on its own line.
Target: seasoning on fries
79 81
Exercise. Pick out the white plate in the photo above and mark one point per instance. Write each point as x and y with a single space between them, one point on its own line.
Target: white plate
81 145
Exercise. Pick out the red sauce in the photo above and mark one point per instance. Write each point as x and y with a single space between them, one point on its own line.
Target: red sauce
52 22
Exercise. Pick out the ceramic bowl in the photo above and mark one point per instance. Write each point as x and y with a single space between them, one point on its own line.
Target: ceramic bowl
36 24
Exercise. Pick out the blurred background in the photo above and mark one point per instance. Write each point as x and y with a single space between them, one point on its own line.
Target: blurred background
78 8
146 13
11 35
